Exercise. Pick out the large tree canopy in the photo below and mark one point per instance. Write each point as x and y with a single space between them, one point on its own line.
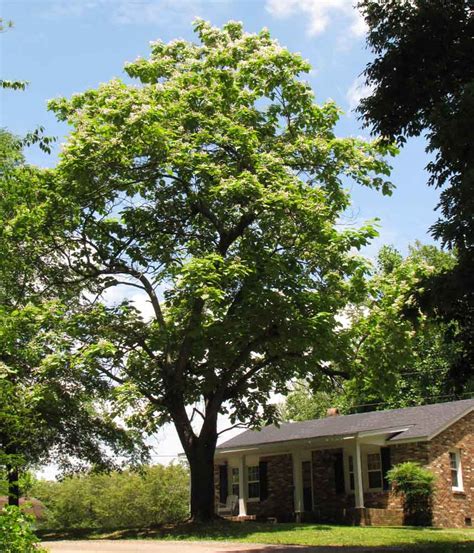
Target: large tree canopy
215 186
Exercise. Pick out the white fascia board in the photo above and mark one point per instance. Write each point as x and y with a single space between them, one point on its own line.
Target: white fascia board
408 440
287 445
382 431
223 452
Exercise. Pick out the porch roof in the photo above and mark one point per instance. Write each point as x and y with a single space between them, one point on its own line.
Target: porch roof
409 424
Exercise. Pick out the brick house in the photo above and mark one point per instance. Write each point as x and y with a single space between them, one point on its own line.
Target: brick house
334 469
30 505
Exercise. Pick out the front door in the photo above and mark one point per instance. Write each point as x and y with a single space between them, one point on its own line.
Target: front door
307 487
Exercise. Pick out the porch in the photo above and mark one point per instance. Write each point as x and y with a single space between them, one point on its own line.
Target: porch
334 479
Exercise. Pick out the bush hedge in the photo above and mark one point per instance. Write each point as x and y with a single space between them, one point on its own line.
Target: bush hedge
16 532
154 496
416 485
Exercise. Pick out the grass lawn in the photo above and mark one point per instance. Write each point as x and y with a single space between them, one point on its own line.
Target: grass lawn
407 539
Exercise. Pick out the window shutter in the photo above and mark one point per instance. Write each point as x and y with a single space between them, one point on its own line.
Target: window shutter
223 483
339 472
386 466
263 466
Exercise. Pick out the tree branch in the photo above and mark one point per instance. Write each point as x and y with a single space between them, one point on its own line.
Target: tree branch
198 412
238 425
227 238
186 344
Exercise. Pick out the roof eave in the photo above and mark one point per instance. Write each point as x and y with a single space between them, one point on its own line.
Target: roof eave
337 437
285 444
309 442
451 422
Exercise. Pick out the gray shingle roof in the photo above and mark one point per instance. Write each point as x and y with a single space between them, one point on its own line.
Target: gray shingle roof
422 422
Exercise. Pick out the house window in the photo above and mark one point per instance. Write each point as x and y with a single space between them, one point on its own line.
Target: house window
456 475
253 481
234 481
374 470
351 473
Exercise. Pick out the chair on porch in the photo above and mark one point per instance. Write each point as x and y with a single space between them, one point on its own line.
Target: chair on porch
230 508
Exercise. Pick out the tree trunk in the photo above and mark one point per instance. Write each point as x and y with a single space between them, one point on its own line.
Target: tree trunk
13 486
201 464
200 454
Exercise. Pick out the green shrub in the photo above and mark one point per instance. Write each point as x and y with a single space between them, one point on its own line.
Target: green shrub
16 532
157 495
415 484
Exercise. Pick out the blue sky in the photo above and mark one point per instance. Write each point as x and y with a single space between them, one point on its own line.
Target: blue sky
66 46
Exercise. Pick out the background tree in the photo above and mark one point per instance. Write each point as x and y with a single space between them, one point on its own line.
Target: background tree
399 357
304 403
422 78
14 85
214 187
50 409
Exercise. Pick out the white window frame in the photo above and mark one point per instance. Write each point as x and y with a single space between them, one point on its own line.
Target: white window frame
374 470
234 471
455 455
252 499
350 460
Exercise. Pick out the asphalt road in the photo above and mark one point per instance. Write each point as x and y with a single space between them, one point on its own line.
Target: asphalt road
148 546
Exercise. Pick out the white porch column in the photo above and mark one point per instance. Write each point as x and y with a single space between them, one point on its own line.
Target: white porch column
358 485
242 487
297 484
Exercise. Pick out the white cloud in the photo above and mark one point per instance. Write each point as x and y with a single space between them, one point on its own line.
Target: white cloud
143 304
167 12
359 27
130 12
356 92
72 8
144 12
116 294
319 13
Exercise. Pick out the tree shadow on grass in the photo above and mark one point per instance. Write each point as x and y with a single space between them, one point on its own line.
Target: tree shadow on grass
221 530
411 548
429 540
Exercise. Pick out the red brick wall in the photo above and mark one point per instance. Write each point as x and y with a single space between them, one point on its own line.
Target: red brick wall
399 453
280 503
450 509
382 507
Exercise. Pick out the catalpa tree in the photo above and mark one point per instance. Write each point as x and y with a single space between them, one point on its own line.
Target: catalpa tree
215 186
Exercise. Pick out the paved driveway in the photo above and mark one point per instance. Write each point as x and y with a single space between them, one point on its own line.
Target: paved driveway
147 546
